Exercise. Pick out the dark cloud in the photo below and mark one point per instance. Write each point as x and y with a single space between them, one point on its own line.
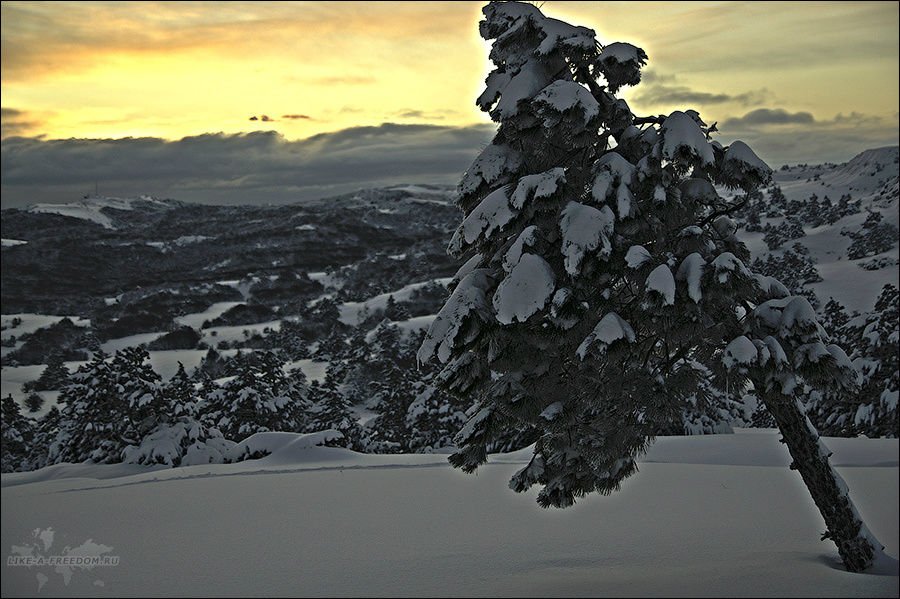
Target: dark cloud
17 122
254 118
651 76
768 116
293 117
414 113
264 118
257 167
679 95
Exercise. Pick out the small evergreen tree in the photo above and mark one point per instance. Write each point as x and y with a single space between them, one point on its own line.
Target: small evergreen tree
834 319
179 438
180 393
874 237
91 417
394 311
212 366
432 419
108 406
876 412
790 228
793 268
34 402
140 388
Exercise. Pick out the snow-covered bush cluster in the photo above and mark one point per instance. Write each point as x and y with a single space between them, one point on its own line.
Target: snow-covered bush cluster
873 237
116 408
871 340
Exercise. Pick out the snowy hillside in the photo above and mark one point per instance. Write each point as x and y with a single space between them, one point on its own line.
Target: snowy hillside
697 521
869 183
92 208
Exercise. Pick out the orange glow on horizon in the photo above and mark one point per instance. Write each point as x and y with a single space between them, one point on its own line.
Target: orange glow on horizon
171 69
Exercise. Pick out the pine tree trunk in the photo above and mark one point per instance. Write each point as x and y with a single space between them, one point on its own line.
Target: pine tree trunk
810 458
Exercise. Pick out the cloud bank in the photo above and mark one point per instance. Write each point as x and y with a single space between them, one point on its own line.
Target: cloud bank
246 168
783 137
264 167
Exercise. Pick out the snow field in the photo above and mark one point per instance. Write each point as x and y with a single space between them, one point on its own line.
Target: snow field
326 521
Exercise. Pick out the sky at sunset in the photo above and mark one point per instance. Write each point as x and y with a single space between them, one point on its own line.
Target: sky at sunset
236 102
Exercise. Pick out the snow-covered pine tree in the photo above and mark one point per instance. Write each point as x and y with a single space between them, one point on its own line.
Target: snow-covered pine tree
16 434
434 416
180 393
391 390
601 265
260 398
876 412
91 420
141 389
212 366
394 311
108 405
873 238
432 419
709 410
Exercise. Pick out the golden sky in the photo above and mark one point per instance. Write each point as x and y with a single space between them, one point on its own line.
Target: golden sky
234 102
171 69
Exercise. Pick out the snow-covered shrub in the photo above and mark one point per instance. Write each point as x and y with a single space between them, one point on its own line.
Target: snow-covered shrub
185 442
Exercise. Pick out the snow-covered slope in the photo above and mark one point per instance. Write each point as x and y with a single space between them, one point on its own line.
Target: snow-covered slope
870 172
91 208
869 179
716 520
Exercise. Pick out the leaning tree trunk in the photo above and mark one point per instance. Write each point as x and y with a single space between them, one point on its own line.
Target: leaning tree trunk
856 545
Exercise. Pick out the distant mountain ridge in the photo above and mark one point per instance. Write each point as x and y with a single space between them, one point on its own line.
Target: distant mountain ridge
70 258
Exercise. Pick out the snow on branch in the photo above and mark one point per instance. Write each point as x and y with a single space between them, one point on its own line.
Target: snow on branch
684 141
525 290
468 298
491 214
611 328
584 229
